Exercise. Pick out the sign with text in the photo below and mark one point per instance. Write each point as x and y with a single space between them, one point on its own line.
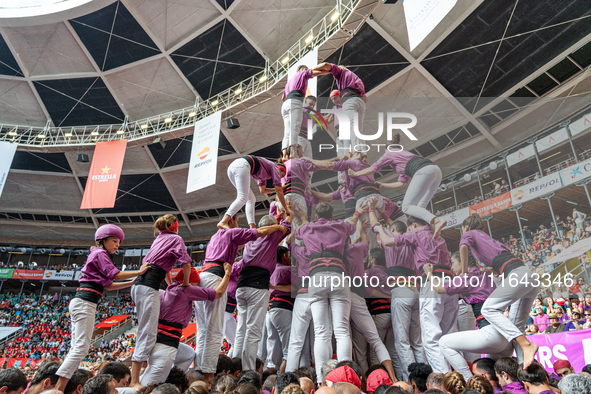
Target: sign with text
552 140
536 188
57 275
6 273
112 321
7 151
204 153
574 346
456 218
28 274
492 205
522 154
422 16
576 172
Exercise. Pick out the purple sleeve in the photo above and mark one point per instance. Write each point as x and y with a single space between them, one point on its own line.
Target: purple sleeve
404 178
276 176
342 165
349 228
336 195
309 166
405 239
467 239
179 250
381 163
451 288
284 277
196 293
243 235
335 70
273 208
106 267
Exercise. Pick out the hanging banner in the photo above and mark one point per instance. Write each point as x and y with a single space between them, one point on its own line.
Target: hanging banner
103 178
77 275
8 331
56 275
6 273
204 153
28 274
574 346
112 321
492 205
580 125
552 140
456 218
576 172
7 151
536 188
522 154
309 60
422 16
133 252
145 252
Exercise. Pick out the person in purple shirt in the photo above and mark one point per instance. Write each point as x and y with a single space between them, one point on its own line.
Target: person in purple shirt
291 110
306 133
475 287
252 290
176 307
279 316
352 95
295 182
240 172
506 370
342 193
438 313
422 176
229 319
518 289
167 249
222 248
97 276
534 378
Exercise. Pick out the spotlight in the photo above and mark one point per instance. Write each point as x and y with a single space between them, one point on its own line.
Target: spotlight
41 135
238 91
467 177
120 131
443 187
285 60
192 114
214 103
82 158
263 78
167 120
493 165
94 133
144 126
334 16
13 133
67 134
310 38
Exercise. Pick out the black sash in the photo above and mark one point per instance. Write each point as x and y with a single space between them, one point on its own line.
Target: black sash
294 185
169 333
255 164
348 93
396 214
282 302
214 267
415 164
90 291
365 189
400 272
295 94
231 305
255 277
441 271
506 262
350 208
481 322
378 306
327 260
152 278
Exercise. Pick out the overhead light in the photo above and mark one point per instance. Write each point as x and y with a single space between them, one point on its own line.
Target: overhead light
494 180
144 126
12 133
238 91
552 155
67 134
192 114
94 133
467 178
263 78
214 103
285 59
493 165
523 219
570 202
41 135
167 120
310 38
334 16
121 131
445 199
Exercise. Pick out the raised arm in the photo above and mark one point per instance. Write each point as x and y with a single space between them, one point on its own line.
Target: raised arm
321 164
428 269
386 238
365 171
281 198
321 69
264 231
464 257
124 275
393 185
323 197
223 286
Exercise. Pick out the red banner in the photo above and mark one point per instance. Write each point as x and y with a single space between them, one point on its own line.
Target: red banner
190 330
112 321
28 274
103 178
17 362
492 205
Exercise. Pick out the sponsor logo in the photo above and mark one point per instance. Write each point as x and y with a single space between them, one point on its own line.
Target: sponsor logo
518 195
203 154
545 185
573 174
104 176
203 163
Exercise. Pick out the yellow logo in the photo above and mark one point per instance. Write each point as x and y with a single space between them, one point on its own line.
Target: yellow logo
105 170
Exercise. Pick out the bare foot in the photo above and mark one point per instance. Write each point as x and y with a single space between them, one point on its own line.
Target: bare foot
439 224
224 222
529 351
136 387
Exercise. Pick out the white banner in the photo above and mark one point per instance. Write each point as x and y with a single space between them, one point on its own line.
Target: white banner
536 188
56 275
576 172
309 60
575 250
422 16
456 218
133 252
552 140
580 125
520 155
6 331
78 275
7 151
204 153
145 251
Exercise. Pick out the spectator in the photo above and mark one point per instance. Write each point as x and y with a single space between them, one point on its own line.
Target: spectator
485 367
579 218
541 319
306 384
454 383
119 371
12 381
100 384
533 329
506 371
418 374
563 368
480 384
559 312
342 374
284 380
77 382
576 321
167 388
575 384
534 379
293 389
555 325
45 377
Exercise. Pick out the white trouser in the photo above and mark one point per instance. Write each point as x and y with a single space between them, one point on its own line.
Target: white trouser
520 297
359 346
421 189
326 303
262 346
362 318
306 147
239 175
486 340
298 205
383 323
252 307
292 113
467 322
82 315
162 359
407 327
147 305
278 333
229 328
373 240
354 108
210 323
439 314
300 323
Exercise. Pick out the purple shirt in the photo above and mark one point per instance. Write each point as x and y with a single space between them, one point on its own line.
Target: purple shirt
298 168
98 268
399 256
515 387
176 303
426 250
281 276
547 392
267 170
342 193
483 247
325 235
273 208
234 279
224 244
263 251
497 389
474 290
347 79
382 274
354 253
298 82
166 250
389 206
355 165
301 256
542 322
397 160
